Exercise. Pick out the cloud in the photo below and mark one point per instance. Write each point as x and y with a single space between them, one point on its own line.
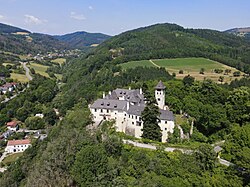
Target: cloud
91 8
1 17
29 19
76 16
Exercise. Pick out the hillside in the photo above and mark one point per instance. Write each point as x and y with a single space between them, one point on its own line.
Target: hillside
8 29
243 32
172 41
74 155
82 39
20 41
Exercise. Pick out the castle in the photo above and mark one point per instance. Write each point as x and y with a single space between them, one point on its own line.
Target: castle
125 107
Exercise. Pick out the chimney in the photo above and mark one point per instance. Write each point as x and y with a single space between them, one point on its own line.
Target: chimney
129 88
127 105
109 92
103 95
140 90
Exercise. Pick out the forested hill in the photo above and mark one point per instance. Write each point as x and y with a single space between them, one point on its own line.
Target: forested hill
10 29
171 41
243 32
82 39
20 41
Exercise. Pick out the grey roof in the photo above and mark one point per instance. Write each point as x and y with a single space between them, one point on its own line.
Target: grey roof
166 115
109 104
217 149
135 109
122 92
160 86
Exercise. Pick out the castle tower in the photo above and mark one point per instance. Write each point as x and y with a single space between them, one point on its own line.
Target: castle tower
160 94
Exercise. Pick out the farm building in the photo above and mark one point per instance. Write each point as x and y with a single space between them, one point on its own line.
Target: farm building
15 146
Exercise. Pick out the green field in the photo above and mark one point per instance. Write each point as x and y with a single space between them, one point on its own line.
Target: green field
59 60
40 69
133 64
12 158
19 77
190 66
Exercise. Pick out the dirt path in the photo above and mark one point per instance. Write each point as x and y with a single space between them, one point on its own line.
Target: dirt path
154 64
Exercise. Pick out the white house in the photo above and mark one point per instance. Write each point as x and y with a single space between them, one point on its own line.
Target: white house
125 107
13 126
16 146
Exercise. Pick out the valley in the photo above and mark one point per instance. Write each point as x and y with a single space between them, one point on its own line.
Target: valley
95 113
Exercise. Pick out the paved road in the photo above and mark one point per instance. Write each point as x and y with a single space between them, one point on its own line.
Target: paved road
27 71
149 146
171 149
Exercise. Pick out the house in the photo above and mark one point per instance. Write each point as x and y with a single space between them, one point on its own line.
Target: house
13 125
6 134
8 87
16 146
125 107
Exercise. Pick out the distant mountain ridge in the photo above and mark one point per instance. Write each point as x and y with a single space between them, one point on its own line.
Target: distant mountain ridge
21 41
238 30
8 29
82 39
243 32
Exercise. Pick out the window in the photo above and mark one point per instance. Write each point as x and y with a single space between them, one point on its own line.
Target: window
124 114
115 113
101 110
159 99
166 122
166 129
132 117
95 110
107 110
133 123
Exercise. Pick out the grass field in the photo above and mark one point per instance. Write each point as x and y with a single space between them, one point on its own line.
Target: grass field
59 60
19 77
190 66
133 64
12 158
40 69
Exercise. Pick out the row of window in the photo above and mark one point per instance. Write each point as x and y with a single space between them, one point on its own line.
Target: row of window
20 145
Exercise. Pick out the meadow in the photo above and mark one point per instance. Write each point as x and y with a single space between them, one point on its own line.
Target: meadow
40 69
189 66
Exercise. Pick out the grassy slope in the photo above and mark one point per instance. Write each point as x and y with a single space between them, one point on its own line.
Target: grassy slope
41 69
19 77
190 66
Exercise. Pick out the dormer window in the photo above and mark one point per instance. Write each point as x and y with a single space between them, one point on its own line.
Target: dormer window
115 106
108 104
102 103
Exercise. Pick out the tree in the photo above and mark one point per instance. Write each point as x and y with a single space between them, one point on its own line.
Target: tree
236 73
150 114
188 80
206 157
91 162
202 70
50 116
34 123
221 79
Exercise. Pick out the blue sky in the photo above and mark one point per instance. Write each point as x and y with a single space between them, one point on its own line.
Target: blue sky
116 16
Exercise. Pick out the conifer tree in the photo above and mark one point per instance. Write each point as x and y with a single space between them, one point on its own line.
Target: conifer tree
150 118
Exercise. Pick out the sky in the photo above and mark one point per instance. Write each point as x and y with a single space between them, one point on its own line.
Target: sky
115 16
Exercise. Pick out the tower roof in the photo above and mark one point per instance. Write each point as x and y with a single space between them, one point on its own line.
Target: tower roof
160 86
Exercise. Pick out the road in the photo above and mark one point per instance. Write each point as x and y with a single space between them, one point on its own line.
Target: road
27 71
1 159
171 149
